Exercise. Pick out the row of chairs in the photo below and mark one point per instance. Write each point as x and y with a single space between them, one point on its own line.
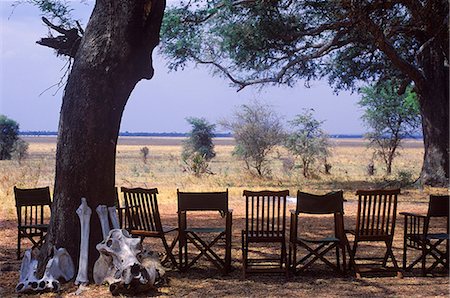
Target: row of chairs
265 224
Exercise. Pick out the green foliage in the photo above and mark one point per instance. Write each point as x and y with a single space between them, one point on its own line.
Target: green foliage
308 142
280 42
257 129
390 118
9 130
198 149
55 10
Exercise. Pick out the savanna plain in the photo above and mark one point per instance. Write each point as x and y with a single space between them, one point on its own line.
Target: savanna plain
164 170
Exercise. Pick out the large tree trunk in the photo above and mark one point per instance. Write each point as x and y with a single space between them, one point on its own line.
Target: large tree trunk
434 108
114 54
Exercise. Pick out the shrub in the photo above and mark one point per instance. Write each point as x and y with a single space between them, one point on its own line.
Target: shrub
9 130
198 149
144 153
257 129
308 141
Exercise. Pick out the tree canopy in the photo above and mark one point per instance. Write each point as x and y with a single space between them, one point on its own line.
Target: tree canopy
280 42
346 42
9 130
390 118
307 140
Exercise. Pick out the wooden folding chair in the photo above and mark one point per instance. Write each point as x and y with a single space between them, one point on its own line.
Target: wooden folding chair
375 222
318 247
265 222
204 201
144 220
121 215
420 236
33 208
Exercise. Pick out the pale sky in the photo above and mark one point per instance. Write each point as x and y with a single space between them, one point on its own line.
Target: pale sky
158 105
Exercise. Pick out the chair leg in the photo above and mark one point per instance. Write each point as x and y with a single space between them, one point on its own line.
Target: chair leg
424 258
446 254
169 254
344 264
337 258
352 260
244 255
404 255
18 246
390 253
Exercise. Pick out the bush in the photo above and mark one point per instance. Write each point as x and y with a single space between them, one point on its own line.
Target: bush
198 149
9 130
20 150
144 153
257 130
308 142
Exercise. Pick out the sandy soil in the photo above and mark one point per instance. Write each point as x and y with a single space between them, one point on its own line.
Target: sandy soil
206 281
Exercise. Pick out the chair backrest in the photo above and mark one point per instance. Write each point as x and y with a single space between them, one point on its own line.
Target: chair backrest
203 201
31 204
141 209
438 206
265 213
377 212
332 202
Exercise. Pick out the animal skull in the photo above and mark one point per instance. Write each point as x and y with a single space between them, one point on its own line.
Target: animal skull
124 266
60 266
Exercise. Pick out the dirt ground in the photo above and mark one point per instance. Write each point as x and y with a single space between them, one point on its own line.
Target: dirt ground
206 281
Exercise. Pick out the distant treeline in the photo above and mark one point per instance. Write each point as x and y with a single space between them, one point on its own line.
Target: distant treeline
181 134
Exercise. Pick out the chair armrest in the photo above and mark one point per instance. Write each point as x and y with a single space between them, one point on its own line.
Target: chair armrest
413 214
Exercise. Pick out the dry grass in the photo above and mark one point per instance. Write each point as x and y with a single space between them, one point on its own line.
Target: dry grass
165 171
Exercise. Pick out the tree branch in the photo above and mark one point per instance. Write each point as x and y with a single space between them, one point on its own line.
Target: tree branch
66 44
386 47
326 48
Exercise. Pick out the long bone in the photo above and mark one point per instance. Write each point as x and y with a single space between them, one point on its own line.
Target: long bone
84 213
102 212
113 216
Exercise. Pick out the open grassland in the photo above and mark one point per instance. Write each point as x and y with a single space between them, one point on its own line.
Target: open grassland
165 171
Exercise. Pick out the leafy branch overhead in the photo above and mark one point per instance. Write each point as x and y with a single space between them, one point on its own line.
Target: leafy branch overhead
280 42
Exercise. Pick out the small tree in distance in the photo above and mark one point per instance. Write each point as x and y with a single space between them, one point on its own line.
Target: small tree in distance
144 153
308 141
257 129
390 118
198 149
10 143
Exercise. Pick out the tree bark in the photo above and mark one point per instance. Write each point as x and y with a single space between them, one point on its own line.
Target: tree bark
114 54
434 108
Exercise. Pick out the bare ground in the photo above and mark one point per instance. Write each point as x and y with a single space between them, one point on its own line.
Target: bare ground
206 281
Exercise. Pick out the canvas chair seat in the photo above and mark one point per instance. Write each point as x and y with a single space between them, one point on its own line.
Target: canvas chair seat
320 240
205 230
317 249
195 236
419 236
33 208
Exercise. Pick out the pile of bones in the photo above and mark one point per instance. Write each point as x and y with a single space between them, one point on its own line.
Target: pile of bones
123 264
